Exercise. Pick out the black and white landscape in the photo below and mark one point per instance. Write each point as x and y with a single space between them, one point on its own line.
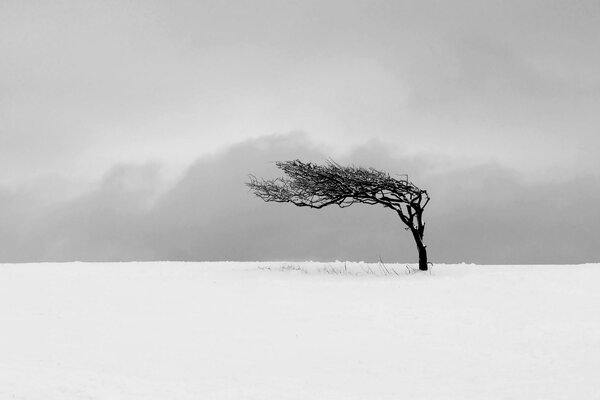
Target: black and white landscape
136 263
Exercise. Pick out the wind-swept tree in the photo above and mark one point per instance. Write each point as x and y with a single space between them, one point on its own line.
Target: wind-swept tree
317 186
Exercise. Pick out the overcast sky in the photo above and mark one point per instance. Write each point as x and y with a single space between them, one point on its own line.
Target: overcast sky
127 128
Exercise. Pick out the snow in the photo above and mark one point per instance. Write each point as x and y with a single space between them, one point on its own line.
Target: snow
298 331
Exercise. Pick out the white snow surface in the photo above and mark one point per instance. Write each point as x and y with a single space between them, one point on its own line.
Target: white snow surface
307 330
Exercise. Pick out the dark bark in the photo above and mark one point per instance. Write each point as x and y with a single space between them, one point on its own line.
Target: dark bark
423 264
422 249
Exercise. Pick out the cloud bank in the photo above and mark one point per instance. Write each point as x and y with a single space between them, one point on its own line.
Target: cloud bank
87 85
478 213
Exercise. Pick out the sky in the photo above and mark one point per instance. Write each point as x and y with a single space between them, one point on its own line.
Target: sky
128 128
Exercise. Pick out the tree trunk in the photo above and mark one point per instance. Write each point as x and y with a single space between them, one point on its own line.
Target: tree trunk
423 266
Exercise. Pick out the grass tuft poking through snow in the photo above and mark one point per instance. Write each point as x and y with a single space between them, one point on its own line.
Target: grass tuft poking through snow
344 268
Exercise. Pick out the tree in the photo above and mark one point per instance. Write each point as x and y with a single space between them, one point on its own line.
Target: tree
318 186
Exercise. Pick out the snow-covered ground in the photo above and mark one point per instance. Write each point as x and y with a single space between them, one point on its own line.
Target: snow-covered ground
298 331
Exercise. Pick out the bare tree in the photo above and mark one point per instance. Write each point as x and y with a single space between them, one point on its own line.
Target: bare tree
317 186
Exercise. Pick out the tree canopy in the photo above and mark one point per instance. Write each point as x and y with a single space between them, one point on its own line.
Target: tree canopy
306 184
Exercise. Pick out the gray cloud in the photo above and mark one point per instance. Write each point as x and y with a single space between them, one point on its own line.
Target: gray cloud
483 214
488 215
88 85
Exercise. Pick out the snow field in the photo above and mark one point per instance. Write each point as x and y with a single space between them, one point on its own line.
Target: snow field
298 331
